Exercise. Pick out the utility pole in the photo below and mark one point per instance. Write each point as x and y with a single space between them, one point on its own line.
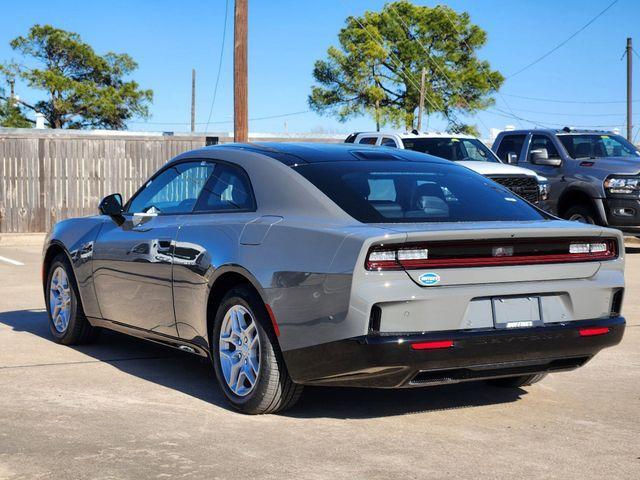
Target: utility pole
629 82
377 115
421 105
193 100
240 86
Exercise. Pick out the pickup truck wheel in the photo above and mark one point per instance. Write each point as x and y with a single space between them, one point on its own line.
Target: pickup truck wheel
582 214
516 382
246 356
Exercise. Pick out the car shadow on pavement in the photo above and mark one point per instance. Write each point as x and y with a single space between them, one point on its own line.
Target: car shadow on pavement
628 250
193 376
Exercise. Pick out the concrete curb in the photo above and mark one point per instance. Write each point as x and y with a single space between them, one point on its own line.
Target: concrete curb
21 239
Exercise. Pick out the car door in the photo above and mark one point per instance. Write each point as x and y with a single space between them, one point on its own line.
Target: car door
224 219
511 144
554 174
133 256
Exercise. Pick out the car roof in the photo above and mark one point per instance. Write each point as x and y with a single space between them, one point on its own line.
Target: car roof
296 153
418 135
555 131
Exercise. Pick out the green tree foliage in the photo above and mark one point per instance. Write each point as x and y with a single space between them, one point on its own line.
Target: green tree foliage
378 66
83 89
11 116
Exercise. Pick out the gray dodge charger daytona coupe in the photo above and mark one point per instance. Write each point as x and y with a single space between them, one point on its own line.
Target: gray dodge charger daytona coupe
308 264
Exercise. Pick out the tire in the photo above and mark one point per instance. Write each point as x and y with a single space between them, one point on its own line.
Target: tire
516 382
70 325
582 214
250 388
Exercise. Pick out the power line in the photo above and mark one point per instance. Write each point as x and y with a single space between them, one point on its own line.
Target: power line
586 102
542 57
488 76
215 88
399 63
503 113
444 74
565 114
268 117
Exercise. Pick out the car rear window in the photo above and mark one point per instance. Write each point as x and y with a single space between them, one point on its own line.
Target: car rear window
452 148
415 192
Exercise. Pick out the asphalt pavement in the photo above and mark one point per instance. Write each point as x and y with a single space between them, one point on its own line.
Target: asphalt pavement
126 409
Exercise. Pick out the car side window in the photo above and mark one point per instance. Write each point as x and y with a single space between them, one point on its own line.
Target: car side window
388 142
175 190
510 143
542 141
228 189
368 140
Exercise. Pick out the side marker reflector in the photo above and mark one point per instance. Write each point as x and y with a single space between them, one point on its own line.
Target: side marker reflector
590 332
432 345
276 328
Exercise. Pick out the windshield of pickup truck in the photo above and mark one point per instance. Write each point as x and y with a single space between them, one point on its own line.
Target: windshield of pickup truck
597 146
452 148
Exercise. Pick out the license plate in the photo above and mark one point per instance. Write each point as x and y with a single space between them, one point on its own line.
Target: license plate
516 312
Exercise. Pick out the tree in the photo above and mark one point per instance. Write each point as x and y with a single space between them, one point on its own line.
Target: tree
377 68
83 89
11 115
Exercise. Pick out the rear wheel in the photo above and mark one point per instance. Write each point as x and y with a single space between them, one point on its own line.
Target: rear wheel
582 214
515 382
67 321
246 356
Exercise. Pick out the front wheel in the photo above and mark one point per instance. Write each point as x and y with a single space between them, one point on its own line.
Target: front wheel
516 382
582 214
67 321
246 356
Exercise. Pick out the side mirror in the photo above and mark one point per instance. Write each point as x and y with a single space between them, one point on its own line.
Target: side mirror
540 156
111 205
512 158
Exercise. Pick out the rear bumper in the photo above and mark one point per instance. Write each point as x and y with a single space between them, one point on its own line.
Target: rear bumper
389 361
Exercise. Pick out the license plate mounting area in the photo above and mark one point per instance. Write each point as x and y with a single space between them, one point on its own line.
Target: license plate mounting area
516 312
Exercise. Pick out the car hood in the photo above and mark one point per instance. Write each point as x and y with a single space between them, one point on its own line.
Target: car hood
626 165
495 168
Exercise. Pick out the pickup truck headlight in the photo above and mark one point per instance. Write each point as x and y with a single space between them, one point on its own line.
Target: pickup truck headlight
543 190
622 185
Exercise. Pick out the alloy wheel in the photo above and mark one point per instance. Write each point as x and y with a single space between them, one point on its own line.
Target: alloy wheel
239 350
60 299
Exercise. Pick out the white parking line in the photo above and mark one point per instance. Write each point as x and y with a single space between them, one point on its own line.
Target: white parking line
10 261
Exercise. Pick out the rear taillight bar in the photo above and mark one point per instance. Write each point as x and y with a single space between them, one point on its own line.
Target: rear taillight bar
487 253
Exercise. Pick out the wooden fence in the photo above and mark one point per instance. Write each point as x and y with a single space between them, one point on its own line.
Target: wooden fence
50 175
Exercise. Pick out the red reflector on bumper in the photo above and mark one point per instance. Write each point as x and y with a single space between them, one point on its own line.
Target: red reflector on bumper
432 345
590 332
272 317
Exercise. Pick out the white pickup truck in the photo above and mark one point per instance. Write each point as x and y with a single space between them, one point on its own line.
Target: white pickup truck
468 151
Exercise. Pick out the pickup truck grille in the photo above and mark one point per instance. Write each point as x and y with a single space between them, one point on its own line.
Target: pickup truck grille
526 187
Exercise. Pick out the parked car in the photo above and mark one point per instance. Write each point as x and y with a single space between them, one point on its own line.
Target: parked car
594 176
468 151
310 264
